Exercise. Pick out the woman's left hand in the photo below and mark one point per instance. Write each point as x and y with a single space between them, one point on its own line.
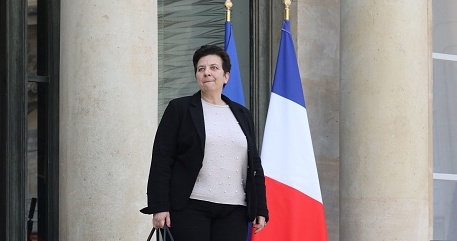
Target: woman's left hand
259 223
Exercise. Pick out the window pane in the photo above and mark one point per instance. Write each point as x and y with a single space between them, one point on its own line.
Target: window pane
445 210
183 27
445 116
186 25
444 26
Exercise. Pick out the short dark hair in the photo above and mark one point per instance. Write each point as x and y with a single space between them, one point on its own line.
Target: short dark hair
206 50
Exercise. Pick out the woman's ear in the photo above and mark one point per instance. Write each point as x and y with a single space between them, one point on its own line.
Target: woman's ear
227 76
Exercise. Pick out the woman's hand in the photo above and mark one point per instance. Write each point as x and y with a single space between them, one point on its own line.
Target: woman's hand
159 219
259 223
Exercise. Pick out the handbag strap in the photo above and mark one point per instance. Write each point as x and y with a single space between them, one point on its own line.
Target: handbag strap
165 233
150 234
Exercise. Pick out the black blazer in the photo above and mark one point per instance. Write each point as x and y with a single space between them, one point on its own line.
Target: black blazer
178 152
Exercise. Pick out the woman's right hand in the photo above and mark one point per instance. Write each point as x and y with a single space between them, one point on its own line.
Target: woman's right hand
159 219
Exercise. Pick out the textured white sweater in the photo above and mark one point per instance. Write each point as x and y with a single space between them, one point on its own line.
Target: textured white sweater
223 176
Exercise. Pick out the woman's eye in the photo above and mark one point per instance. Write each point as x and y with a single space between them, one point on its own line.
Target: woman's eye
200 69
214 68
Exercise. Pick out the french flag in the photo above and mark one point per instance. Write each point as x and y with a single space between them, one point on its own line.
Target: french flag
293 190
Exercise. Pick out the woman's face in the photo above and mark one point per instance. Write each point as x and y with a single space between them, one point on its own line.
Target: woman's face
210 75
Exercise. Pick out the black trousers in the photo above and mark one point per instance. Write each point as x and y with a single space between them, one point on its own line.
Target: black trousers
207 221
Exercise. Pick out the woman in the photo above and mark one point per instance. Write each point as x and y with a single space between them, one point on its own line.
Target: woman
206 180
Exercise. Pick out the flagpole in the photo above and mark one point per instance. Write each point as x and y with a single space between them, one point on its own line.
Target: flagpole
228 6
286 10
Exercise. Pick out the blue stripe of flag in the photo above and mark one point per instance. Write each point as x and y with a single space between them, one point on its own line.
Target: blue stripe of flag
287 81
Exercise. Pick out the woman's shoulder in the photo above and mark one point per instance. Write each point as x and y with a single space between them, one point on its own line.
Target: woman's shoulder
184 100
235 105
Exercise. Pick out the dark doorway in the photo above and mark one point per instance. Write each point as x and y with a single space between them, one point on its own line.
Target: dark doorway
29 104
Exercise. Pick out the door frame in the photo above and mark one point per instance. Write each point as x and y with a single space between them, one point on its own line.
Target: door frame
12 119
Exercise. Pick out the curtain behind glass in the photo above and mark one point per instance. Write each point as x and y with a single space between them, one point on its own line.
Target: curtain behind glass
185 25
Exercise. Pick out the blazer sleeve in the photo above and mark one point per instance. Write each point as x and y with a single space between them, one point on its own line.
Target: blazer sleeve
163 158
259 176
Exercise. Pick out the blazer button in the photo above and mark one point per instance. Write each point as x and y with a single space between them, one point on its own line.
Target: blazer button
255 173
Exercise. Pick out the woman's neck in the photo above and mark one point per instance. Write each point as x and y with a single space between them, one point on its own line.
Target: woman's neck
214 99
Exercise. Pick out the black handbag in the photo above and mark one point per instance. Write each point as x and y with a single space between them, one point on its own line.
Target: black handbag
166 231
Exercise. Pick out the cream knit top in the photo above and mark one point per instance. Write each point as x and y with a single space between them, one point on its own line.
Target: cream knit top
222 177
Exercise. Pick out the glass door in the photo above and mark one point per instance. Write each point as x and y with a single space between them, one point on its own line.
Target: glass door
31 187
41 169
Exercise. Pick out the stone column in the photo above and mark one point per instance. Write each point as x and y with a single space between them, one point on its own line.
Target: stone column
108 115
385 167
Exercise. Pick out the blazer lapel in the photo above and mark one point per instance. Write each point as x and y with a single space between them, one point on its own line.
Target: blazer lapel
196 113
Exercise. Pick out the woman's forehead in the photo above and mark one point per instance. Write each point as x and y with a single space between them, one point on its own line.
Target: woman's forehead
210 60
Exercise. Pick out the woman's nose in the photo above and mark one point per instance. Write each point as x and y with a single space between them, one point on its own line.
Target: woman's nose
207 72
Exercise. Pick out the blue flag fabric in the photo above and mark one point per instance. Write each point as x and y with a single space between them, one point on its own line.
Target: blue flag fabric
287 66
234 88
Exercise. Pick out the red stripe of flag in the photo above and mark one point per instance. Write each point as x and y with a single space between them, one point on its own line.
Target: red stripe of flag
289 206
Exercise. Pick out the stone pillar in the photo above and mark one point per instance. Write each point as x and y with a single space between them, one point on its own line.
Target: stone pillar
385 169
108 115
